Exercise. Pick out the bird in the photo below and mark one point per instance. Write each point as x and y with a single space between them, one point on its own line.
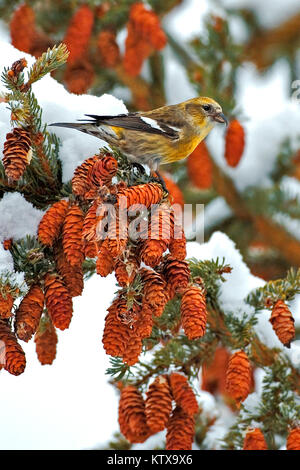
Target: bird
160 136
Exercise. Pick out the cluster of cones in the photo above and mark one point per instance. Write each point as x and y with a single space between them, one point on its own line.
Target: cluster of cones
144 36
255 440
139 418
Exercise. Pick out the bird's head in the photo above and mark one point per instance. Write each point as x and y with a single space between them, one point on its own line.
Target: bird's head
205 111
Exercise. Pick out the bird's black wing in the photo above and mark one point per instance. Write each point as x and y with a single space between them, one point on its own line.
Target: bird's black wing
136 122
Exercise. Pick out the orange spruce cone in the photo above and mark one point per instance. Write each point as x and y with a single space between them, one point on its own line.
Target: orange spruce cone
238 376
293 440
177 274
79 76
158 404
180 431
283 323
199 167
146 194
80 181
72 275
105 262
89 223
147 25
103 170
6 301
17 153
108 48
72 234
11 353
133 349
235 143
144 324
214 373
177 246
22 28
254 440
137 50
79 32
58 301
29 313
193 312
183 394
52 222
7 244
154 290
45 342
116 334
132 417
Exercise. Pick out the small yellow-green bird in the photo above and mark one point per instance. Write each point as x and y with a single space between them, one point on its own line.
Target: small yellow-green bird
160 136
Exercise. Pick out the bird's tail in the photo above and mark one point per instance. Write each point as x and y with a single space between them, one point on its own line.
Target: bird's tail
72 125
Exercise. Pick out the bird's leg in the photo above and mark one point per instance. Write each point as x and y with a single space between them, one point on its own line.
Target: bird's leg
154 164
161 181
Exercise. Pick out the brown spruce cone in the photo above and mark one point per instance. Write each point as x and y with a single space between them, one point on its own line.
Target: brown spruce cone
11 353
89 223
102 171
193 312
132 417
152 252
17 153
158 404
293 440
29 313
58 301
108 48
6 301
72 234
80 181
177 274
52 222
238 376
183 394
133 349
254 440
116 334
154 291
45 342
283 323
72 275
214 373
180 431
177 245
144 324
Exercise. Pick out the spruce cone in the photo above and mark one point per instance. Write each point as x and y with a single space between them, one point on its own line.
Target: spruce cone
29 313
158 404
137 50
154 291
22 28
214 373
11 353
254 440
105 262
79 32
283 323
108 48
17 153
293 440
238 376
132 417
80 181
175 193
45 342
147 25
199 166
72 275
6 301
180 431
133 349
193 312
89 223
183 394
116 334
51 223
143 325
235 143
146 194
177 274
126 269
79 76
58 301
178 245
72 234
103 170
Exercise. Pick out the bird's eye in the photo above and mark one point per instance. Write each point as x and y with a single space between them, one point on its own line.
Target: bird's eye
206 107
